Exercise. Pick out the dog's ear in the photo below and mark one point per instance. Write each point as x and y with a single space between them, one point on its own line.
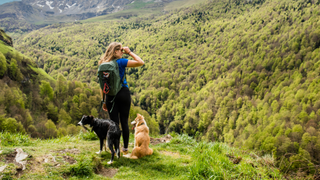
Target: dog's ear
91 119
138 115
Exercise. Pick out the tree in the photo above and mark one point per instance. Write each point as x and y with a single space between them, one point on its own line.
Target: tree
51 129
52 112
64 116
10 125
46 90
72 129
94 112
3 65
61 87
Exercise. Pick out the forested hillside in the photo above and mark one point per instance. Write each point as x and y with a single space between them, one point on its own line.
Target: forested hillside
242 72
33 102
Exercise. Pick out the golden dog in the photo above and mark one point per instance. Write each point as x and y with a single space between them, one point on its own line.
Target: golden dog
141 139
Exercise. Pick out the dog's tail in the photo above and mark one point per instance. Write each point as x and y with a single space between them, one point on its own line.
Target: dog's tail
150 151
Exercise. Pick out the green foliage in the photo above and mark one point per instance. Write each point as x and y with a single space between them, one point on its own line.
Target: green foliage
15 139
241 72
51 129
3 65
46 90
88 136
218 161
10 125
83 168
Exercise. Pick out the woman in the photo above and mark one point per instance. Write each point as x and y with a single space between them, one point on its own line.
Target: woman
122 101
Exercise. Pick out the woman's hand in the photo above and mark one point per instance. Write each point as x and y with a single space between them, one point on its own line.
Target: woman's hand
126 50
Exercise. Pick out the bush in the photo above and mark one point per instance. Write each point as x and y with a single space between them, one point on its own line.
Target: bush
88 135
51 129
10 125
72 129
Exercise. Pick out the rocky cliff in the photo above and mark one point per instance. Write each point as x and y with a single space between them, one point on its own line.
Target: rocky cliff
5 38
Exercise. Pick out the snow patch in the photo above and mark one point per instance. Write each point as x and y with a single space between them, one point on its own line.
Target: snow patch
48 3
40 5
71 5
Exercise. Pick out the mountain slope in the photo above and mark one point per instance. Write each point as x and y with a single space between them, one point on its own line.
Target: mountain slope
245 73
24 16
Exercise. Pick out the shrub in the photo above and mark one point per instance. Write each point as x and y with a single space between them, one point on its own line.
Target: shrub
81 169
72 129
88 135
51 129
10 125
3 65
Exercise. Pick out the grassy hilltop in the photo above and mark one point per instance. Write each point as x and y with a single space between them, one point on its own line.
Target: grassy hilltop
73 157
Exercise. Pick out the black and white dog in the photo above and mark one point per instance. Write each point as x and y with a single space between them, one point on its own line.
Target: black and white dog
104 128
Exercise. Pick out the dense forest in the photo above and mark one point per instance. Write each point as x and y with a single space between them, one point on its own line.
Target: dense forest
241 72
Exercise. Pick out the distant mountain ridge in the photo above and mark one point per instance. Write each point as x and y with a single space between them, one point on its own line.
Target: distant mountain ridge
27 15
43 10
63 7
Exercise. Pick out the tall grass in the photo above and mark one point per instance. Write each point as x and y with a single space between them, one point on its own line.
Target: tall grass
15 139
211 161
89 136
64 139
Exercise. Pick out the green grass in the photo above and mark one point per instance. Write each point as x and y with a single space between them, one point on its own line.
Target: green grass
8 139
43 73
181 158
182 4
4 49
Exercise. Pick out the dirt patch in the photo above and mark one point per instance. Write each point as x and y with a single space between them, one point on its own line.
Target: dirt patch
234 159
69 159
110 172
165 139
71 151
10 158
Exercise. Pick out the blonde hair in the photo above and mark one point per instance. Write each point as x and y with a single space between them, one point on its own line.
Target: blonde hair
110 52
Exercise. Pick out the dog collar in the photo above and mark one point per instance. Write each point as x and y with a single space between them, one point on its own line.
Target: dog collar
137 126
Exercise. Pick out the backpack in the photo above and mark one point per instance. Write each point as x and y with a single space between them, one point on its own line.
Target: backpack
109 79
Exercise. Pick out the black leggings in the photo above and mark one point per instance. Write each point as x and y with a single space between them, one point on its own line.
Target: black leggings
120 111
